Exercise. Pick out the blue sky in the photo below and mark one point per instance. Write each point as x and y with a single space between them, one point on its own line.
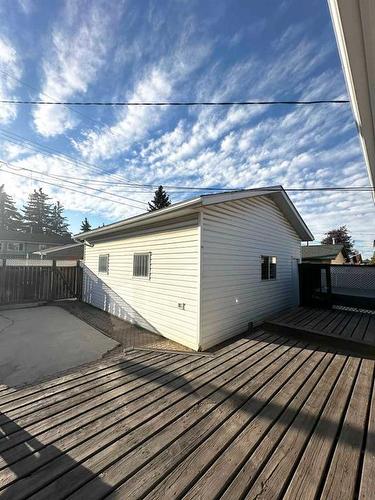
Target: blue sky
177 50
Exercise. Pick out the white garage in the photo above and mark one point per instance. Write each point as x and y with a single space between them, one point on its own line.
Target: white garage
199 271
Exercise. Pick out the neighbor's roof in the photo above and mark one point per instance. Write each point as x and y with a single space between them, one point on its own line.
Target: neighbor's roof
22 236
354 22
74 248
319 252
276 193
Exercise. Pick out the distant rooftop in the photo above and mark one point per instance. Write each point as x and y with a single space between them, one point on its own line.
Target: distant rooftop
321 251
23 236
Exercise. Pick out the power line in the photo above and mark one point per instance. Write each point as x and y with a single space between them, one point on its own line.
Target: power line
57 177
22 82
68 188
262 189
175 103
46 150
94 120
33 145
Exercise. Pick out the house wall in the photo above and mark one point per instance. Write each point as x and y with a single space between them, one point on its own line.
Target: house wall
28 249
234 236
150 303
339 259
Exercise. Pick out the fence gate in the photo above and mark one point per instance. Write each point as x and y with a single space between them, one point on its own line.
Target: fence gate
324 285
36 281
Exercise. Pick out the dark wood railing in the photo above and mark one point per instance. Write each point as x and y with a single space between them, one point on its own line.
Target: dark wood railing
324 285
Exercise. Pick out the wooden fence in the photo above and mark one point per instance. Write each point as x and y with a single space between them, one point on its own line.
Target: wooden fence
39 282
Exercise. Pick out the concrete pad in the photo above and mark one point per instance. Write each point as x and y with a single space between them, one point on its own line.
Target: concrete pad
37 343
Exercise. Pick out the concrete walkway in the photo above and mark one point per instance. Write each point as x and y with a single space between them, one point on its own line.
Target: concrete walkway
39 342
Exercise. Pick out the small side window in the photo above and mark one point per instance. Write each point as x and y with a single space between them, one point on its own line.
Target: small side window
268 267
103 265
141 265
15 246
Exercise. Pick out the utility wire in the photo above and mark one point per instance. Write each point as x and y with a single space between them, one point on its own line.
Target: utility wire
175 103
37 146
22 82
61 186
70 160
261 189
63 179
93 120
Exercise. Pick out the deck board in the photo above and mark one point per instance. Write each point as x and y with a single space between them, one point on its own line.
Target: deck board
97 416
343 469
274 477
265 415
237 442
366 488
357 327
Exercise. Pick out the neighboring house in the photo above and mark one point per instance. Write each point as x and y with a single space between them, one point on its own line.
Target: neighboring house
356 259
21 245
199 271
323 254
73 251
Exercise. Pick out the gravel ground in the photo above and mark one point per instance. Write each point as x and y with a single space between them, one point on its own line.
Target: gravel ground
128 335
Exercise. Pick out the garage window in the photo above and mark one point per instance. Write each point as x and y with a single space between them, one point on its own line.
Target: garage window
103 265
141 265
268 267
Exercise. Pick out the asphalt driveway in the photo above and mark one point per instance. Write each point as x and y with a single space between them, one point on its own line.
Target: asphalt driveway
39 342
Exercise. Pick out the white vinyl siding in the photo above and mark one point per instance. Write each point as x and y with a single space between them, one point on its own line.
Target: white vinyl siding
235 236
151 303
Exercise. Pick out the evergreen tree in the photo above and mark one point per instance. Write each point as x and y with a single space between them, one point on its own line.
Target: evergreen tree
85 225
38 212
58 221
161 200
10 218
340 236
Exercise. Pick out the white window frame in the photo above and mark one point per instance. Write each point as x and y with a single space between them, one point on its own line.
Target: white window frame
270 262
106 255
142 254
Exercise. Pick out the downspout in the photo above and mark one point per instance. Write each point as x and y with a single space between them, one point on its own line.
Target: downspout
200 277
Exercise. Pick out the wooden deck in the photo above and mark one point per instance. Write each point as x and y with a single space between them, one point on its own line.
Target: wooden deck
344 329
264 417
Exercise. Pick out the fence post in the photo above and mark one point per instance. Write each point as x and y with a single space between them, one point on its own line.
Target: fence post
300 285
53 277
329 284
3 281
79 280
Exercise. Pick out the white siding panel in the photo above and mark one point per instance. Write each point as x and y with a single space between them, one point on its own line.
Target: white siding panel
235 235
151 303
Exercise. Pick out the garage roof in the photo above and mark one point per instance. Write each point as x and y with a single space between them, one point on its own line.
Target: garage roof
276 193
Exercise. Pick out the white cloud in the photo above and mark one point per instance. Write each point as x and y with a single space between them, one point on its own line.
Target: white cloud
76 52
157 83
13 151
27 6
10 70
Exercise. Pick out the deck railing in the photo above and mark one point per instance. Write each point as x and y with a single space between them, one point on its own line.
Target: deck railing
329 284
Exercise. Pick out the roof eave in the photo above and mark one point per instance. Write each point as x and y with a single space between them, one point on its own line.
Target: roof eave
148 217
353 23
